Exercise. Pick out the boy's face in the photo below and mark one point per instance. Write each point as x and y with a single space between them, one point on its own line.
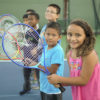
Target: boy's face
51 14
25 20
32 20
52 37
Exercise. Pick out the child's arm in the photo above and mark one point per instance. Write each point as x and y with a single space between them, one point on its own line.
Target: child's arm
67 55
52 69
55 61
89 63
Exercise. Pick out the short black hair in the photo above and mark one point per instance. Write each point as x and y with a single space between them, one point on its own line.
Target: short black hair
56 6
54 25
35 14
30 10
25 16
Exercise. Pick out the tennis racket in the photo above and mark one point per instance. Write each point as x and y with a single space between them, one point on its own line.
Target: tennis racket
26 44
6 20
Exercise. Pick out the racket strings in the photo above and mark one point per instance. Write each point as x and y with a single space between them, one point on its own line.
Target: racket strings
31 53
6 21
23 41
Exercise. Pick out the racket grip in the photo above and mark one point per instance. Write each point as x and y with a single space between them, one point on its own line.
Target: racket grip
62 89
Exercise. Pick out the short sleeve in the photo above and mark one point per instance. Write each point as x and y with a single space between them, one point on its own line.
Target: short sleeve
57 57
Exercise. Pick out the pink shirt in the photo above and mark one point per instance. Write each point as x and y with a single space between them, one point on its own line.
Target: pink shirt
91 91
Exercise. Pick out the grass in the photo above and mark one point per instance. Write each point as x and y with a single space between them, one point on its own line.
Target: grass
63 42
97 45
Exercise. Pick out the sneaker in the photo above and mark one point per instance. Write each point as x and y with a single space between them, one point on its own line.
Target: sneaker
35 85
24 92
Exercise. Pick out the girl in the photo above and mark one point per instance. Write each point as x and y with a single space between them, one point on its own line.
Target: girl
83 63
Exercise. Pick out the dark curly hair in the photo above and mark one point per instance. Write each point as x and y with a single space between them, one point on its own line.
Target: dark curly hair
89 42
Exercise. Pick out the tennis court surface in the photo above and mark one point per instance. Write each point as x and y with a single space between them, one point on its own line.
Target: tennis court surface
11 82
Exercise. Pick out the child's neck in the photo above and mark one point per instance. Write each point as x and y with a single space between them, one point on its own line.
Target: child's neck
50 47
35 27
74 52
51 21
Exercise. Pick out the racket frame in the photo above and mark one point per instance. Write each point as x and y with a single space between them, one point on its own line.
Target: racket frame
36 66
62 89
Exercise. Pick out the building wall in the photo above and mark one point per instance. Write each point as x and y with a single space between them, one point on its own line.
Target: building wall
77 9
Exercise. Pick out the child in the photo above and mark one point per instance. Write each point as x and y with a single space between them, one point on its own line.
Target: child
51 14
25 18
33 19
83 63
54 61
28 11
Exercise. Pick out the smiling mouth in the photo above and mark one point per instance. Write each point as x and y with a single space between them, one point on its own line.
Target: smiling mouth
50 41
73 43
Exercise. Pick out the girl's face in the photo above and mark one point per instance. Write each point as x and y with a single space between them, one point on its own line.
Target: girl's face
75 36
51 14
52 36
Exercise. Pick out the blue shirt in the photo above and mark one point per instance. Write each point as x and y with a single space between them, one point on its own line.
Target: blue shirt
42 34
52 56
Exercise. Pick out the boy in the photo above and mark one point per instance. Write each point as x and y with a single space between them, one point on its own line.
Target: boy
52 13
33 19
54 61
28 11
25 18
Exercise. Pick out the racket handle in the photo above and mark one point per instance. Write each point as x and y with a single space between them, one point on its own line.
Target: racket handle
62 89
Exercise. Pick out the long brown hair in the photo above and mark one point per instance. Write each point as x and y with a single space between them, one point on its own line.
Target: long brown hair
89 42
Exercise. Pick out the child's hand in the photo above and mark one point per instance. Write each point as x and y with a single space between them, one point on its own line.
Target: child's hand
34 51
56 85
53 79
29 62
33 63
